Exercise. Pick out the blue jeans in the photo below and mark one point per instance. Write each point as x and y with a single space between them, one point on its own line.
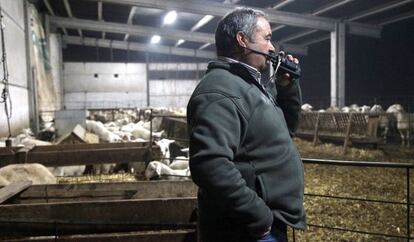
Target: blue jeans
272 238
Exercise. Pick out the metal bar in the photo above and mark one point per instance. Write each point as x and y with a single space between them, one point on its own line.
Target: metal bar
358 163
397 18
330 6
139 47
220 9
379 9
139 30
143 31
356 199
282 4
129 21
408 203
69 11
356 231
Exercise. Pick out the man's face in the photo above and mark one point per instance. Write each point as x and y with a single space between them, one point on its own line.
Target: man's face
260 42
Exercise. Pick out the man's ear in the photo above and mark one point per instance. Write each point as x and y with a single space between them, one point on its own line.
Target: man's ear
241 39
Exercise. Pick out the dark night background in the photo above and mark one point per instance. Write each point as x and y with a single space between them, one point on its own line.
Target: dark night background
378 70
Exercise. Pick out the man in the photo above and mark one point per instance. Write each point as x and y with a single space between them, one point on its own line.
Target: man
242 157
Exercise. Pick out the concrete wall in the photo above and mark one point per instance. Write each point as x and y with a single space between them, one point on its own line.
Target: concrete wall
94 85
104 85
13 20
170 91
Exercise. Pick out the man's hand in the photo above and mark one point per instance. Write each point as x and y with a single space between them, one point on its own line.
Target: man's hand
285 79
261 233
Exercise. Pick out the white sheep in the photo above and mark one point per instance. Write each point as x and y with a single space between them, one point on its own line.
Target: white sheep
179 163
164 145
67 170
383 121
405 123
364 109
34 172
157 169
98 128
306 107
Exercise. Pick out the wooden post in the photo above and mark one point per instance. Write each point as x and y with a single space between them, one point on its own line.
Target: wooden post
316 130
348 131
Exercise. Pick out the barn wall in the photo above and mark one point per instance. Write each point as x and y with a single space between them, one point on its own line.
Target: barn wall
13 20
171 84
104 85
94 85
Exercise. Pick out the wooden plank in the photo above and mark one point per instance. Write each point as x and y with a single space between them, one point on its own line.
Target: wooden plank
106 191
97 217
316 130
56 156
143 236
13 189
348 131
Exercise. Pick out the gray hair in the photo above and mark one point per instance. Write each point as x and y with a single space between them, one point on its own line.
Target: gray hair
239 20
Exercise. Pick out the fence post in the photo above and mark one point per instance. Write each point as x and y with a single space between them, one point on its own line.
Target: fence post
348 131
408 204
316 130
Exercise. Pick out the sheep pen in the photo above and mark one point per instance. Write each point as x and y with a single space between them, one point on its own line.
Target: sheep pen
385 184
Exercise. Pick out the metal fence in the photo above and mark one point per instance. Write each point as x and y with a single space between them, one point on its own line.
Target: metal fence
394 195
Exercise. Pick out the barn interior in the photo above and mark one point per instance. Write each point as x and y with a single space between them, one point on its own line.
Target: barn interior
98 109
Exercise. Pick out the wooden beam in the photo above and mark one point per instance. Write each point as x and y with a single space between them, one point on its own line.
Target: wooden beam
80 154
143 236
105 191
12 189
97 217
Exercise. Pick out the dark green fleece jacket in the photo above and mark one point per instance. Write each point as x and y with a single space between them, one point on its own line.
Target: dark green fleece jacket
242 156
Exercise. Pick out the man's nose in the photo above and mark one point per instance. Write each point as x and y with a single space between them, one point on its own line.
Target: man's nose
271 47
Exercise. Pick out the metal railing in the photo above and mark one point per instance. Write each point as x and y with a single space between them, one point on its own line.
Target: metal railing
366 164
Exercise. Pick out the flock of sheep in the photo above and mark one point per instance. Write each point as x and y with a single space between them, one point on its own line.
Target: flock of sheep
130 126
173 162
394 117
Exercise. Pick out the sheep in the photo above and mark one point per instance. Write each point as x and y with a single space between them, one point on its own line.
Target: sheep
333 109
34 172
164 145
141 132
180 163
98 128
364 109
383 121
306 107
67 170
405 123
156 169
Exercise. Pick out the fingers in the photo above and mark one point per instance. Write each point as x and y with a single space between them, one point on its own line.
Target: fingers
291 58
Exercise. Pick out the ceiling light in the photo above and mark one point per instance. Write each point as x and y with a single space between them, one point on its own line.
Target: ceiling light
155 39
202 22
179 42
170 17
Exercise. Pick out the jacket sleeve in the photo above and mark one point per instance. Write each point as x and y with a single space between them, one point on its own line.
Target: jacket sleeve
290 100
215 129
